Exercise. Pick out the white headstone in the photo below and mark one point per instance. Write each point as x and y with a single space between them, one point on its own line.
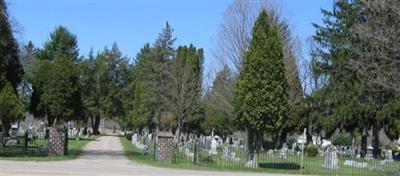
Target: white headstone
134 138
369 156
331 160
284 151
388 158
225 152
213 150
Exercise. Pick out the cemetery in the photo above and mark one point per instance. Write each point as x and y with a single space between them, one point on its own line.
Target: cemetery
288 87
212 152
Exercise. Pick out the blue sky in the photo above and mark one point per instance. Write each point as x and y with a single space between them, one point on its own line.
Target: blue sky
132 23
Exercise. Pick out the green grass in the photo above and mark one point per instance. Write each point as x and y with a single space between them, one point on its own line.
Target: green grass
268 164
75 149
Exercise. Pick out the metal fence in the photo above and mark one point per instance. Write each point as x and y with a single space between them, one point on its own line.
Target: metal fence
195 154
228 157
29 143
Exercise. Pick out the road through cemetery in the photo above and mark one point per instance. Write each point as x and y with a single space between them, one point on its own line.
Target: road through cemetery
105 156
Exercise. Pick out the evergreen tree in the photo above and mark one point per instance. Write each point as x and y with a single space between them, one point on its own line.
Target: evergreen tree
161 68
56 91
345 101
261 100
139 110
218 116
11 69
113 70
11 109
90 91
30 64
186 85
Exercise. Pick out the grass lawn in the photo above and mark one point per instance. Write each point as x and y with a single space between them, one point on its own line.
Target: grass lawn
268 164
75 148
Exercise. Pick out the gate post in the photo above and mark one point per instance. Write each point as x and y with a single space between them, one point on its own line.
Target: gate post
57 142
165 146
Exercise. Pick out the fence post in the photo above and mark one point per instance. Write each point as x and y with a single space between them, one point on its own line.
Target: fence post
26 141
155 147
195 152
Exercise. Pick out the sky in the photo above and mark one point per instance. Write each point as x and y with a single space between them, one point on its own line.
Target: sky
133 23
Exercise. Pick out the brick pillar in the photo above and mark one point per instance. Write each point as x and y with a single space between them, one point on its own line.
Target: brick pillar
165 146
57 141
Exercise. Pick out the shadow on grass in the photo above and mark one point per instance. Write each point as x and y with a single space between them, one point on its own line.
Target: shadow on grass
283 166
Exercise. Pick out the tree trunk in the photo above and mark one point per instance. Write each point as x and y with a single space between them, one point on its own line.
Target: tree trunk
5 127
364 143
250 145
96 125
375 140
282 137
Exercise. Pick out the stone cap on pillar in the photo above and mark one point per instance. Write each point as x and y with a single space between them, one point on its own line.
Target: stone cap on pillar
165 135
60 129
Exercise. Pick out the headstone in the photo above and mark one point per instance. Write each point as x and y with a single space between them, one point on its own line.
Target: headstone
388 158
331 160
369 156
284 151
134 138
293 149
270 152
225 153
213 150
356 164
389 155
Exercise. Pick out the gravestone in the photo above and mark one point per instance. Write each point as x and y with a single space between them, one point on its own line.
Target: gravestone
270 152
352 163
284 151
331 160
388 158
213 150
389 155
369 156
134 138
165 145
225 153
58 142
293 149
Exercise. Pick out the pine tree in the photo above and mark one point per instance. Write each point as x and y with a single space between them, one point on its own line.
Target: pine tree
139 107
218 115
11 69
56 91
186 84
11 108
261 97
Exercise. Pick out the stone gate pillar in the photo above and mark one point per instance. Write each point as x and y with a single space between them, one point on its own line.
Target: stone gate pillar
58 141
165 146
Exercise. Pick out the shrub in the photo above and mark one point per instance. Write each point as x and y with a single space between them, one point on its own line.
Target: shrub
311 151
129 136
342 140
206 159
